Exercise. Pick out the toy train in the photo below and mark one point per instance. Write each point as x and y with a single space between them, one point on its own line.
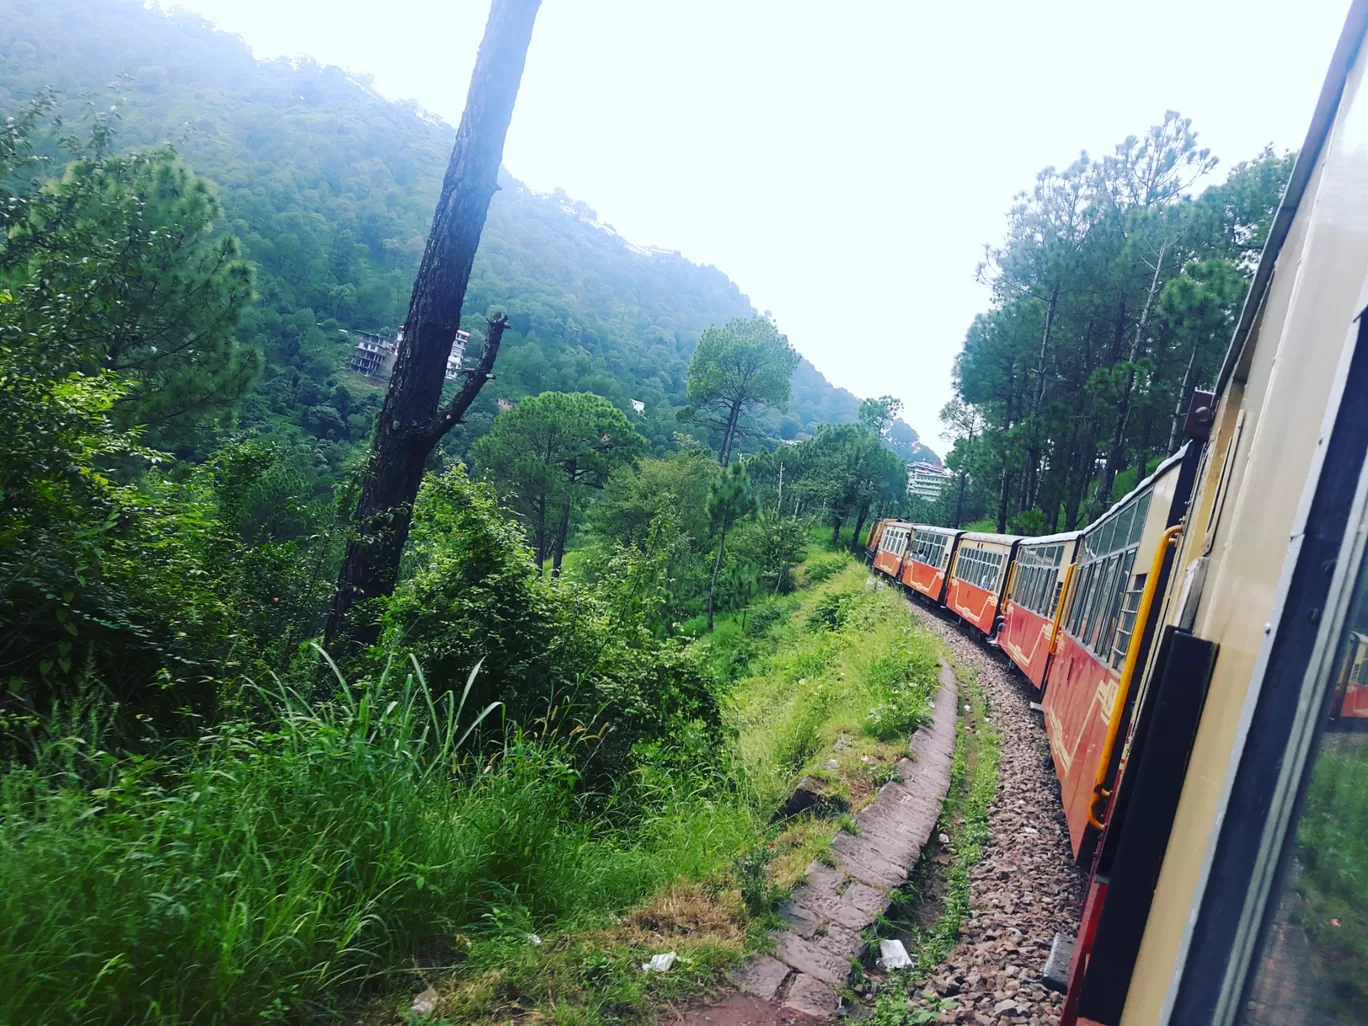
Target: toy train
1200 651
1075 613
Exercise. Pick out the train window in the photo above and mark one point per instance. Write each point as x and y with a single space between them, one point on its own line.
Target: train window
1114 603
1125 625
1313 968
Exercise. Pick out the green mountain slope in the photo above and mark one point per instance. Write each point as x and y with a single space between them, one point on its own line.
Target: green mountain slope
331 188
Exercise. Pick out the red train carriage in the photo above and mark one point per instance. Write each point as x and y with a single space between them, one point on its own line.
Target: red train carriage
894 538
978 574
1349 704
1086 702
925 566
875 534
1035 599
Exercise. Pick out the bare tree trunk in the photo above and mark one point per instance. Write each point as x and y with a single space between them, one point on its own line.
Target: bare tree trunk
1031 481
835 532
959 501
1004 499
859 526
717 569
541 533
1180 410
1117 451
732 419
560 538
410 424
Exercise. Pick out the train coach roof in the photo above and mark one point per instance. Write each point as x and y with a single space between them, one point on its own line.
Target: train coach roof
1052 539
1159 472
996 539
930 529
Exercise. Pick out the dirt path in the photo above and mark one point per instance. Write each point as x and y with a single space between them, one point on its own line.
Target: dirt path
1026 888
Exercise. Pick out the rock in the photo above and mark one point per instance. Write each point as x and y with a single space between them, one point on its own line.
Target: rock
425 1003
812 794
943 838
812 997
761 976
1007 1007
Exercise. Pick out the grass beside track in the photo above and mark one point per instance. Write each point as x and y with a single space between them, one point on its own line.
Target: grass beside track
931 909
344 856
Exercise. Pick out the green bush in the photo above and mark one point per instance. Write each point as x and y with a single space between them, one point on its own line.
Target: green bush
561 656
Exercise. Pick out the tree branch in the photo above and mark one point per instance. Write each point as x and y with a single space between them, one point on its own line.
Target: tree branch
475 381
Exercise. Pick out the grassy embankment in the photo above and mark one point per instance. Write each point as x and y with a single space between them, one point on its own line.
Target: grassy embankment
284 874
929 911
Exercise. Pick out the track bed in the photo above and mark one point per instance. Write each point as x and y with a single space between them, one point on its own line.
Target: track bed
1026 888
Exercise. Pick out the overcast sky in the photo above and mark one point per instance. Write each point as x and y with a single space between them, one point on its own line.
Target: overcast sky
844 162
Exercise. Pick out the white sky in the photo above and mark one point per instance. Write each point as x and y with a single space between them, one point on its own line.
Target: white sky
844 161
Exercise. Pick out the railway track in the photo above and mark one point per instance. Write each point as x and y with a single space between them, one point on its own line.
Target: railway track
1027 888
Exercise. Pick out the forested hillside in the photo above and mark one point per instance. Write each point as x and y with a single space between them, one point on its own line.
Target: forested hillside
331 187
1115 293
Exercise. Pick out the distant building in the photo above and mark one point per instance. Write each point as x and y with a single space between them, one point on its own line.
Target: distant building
373 355
927 480
640 407
458 348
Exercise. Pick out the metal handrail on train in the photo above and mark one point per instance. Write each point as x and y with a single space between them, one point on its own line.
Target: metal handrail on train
1100 792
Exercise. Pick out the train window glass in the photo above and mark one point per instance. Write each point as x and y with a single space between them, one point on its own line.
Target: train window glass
1125 625
1313 967
1117 595
1141 512
1102 600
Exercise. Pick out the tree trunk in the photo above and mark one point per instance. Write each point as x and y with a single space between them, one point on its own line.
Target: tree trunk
1005 498
859 526
541 533
410 425
959 501
717 569
835 532
732 419
1180 410
564 527
1117 452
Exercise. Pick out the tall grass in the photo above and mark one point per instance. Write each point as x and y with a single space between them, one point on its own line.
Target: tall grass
272 874
850 662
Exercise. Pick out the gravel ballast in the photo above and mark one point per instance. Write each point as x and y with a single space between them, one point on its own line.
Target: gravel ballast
1026 889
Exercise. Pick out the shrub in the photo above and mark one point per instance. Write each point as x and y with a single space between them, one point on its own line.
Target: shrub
559 655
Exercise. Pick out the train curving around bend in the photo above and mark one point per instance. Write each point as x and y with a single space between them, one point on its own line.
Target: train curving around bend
1200 652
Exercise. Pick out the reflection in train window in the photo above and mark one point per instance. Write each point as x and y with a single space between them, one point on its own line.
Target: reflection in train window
1313 969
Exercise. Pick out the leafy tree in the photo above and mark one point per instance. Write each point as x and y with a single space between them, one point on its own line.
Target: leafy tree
729 499
543 453
878 415
744 364
117 265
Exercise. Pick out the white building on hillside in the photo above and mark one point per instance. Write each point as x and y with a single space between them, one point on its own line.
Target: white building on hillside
927 480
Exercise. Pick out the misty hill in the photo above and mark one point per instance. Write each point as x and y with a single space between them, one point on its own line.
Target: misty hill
331 188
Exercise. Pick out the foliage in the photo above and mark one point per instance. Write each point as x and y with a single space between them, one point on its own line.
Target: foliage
744 364
1332 866
256 875
547 450
560 657
799 690
1114 293
110 312
114 267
